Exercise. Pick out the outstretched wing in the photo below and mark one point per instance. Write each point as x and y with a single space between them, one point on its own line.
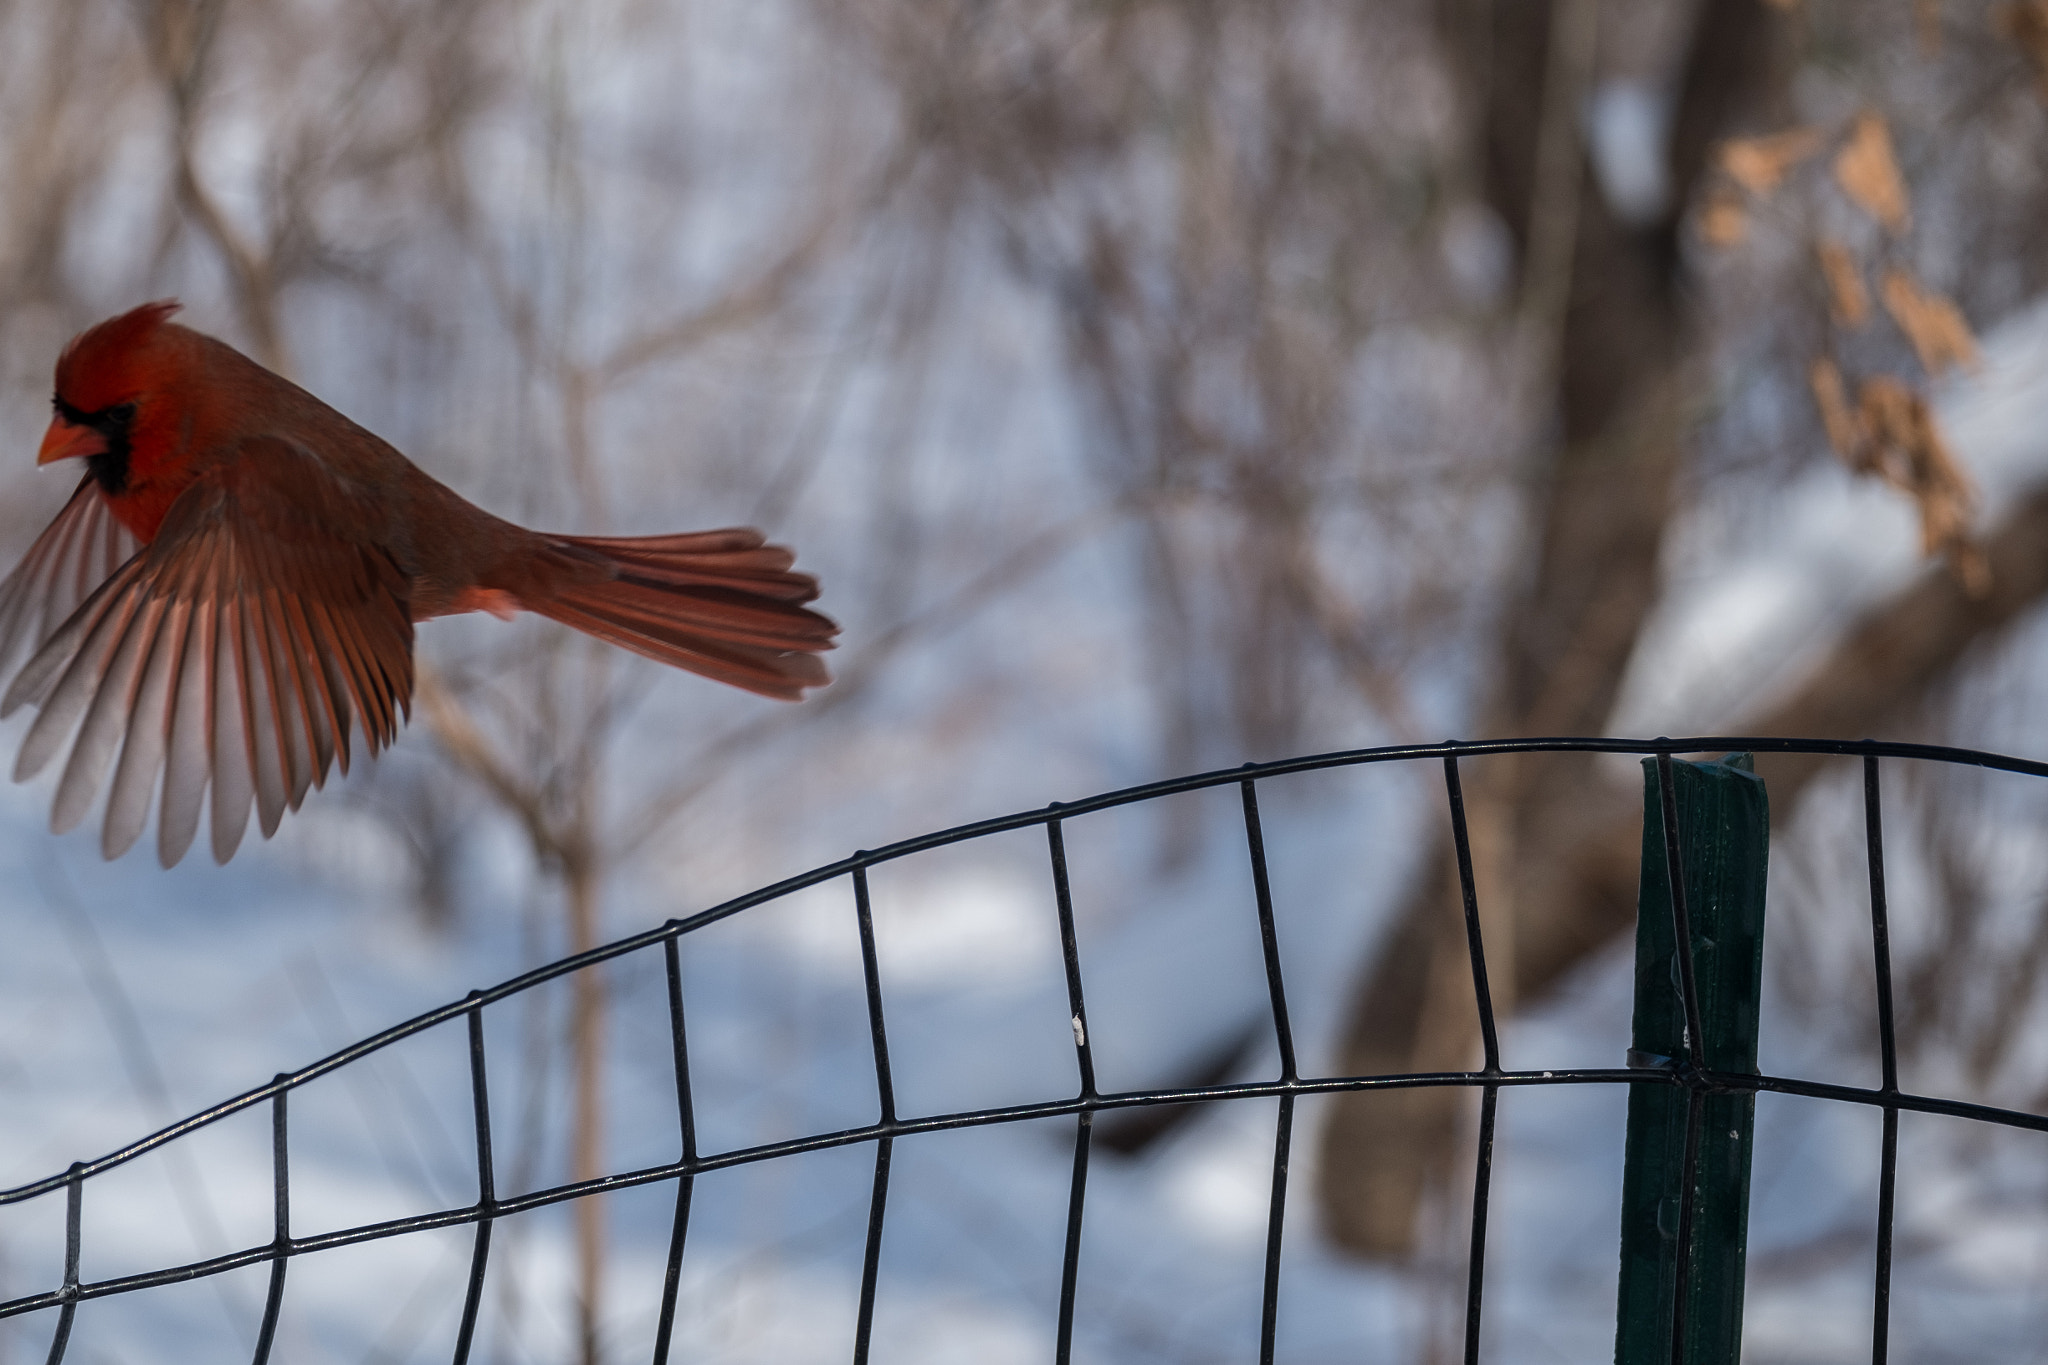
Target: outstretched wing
74 555
237 651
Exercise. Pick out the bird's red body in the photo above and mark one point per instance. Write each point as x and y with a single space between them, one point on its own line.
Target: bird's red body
232 588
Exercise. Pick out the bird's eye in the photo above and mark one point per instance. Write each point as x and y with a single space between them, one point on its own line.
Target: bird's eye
122 413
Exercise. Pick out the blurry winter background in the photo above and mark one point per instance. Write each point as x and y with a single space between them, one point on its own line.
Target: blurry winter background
1154 385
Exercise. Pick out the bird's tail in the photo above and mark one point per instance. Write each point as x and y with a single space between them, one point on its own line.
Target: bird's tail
719 603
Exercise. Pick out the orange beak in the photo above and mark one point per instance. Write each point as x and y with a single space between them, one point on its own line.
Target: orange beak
63 441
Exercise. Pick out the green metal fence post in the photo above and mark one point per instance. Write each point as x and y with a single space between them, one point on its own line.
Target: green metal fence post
1682 1259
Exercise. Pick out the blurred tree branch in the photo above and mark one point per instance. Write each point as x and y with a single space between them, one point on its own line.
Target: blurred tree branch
180 36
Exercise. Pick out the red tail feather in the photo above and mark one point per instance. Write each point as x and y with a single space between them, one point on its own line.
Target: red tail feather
718 603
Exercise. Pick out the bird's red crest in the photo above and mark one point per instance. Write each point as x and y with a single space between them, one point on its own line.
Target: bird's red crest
102 365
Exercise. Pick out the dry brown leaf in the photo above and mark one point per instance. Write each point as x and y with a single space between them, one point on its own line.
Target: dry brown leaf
1846 294
1885 415
1902 446
1844 427
1930 321
1972 568
1869 174
1724 222
2025 25
1758 164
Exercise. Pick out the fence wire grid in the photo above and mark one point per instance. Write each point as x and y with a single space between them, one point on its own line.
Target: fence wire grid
1693 1074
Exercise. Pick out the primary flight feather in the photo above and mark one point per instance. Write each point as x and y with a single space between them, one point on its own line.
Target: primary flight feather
229 595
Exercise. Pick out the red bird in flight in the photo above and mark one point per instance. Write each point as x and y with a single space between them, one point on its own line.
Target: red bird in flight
232 589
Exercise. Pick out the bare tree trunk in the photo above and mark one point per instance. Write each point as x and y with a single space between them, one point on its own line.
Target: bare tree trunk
581 878
1602 498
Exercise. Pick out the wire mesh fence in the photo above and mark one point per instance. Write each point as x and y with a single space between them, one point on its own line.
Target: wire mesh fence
1690 1074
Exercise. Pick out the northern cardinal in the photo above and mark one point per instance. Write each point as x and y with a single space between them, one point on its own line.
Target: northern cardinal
233 586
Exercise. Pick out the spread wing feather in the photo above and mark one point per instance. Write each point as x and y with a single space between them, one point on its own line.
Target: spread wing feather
188 748
74 555
235 653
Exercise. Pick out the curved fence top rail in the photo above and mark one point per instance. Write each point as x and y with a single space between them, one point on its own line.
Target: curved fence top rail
1056 811
1690 1070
